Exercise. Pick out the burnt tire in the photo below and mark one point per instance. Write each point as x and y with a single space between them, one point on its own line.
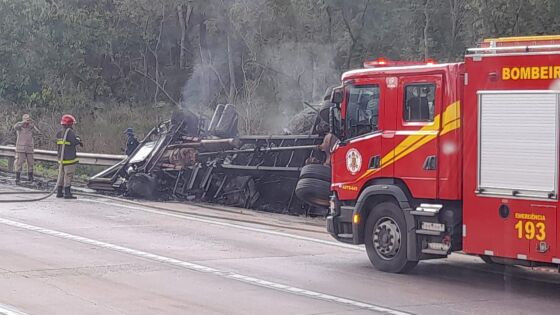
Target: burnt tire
313 191
386 239
142 186
316 171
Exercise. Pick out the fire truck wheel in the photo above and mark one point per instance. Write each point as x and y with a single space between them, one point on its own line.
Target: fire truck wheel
313 191
317 171
385 239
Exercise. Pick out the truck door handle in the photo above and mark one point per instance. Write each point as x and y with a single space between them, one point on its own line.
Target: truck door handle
430 163
388 134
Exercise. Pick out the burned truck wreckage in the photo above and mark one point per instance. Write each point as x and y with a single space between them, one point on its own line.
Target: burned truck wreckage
181 159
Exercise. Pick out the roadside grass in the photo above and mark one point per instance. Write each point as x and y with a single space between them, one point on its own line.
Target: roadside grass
49 170
83 172
100 125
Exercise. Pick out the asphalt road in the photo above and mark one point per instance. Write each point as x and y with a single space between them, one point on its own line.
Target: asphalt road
100 256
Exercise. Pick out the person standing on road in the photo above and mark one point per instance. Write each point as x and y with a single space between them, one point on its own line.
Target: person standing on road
131 141
69 159
328 143
25 146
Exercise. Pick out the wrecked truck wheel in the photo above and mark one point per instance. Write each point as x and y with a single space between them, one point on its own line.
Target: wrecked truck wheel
313 191
386 239
317 171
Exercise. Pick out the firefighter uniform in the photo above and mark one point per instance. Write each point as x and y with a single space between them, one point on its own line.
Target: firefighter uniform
69 160
24 146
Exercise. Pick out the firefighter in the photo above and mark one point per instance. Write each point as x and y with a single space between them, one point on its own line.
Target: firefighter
69 160
328 142
24 146
417 105
131 141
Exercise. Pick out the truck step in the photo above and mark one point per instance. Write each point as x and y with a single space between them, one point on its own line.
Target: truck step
423 213
427 209
345 235
434 252
428 232
436 249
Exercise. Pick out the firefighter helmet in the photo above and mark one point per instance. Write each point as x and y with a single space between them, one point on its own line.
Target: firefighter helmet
67 120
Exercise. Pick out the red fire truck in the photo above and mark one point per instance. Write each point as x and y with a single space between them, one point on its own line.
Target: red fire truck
436 158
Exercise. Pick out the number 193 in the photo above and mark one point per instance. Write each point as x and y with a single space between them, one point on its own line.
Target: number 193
531 230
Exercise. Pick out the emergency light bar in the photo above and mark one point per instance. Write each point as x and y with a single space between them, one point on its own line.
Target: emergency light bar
518 44
521 40
513 48
383 62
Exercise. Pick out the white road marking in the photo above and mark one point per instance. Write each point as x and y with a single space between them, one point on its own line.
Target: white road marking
204 269
8 310
236 226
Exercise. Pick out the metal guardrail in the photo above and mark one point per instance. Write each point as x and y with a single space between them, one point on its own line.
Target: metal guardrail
51 156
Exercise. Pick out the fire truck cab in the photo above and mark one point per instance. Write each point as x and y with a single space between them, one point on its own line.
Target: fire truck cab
436 158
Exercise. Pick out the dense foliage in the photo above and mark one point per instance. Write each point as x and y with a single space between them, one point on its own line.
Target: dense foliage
116 63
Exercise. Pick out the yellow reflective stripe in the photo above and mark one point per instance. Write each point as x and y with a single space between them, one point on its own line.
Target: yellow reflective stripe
66 162
59 141
451 121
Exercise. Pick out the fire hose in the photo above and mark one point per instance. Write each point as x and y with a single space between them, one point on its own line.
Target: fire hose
48 194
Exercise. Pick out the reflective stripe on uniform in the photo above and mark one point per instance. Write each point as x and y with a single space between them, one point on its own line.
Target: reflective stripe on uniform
67 162
61 142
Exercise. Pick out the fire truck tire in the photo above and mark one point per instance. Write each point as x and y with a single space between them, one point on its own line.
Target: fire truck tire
317 171
314 191
386 240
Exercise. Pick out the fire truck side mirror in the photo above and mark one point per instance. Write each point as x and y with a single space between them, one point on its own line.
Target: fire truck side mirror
334 122
337 95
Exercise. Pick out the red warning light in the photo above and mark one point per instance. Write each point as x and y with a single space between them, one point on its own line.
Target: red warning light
379 62
384 62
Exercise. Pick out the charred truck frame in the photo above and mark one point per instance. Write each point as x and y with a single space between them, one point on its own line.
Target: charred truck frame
437 158
181 160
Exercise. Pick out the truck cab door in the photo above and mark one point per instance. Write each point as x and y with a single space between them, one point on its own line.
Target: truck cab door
416 137
358 155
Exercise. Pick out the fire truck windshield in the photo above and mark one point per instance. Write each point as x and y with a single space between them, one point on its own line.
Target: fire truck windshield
362 109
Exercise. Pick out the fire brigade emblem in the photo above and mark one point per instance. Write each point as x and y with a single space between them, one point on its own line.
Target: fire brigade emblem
353 161
392 82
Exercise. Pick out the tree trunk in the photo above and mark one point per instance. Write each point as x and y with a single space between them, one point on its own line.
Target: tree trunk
232 85
155 52
205 84
517 13
426 29
329 26
455 7
352 37
184 18
181 18
146 71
